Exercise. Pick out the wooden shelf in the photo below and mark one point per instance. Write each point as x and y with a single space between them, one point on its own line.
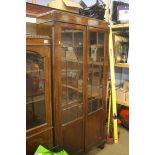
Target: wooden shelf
94 94
74 88
80 61
78 46
36 70
35 99
122 65
71 60
71 104
125 103
96 63
94 71
75 46
97 45
120 26
70 70
71 31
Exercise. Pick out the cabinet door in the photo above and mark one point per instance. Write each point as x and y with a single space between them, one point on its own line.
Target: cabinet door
95 86
71 93
38 101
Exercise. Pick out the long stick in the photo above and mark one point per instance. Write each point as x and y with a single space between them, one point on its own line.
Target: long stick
113 89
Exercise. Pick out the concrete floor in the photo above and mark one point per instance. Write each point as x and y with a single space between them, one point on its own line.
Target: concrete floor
121 148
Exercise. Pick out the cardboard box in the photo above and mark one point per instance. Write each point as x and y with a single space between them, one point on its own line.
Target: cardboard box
126 85
120 95
67 5
127 97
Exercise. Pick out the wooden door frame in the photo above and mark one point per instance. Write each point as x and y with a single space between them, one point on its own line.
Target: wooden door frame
105 63
105 70
57 77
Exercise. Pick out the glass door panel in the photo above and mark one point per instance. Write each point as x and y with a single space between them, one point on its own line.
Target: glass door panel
100 54
80 82
64 81
78 45
100 38
95 70
67 41
90 81
72 79
35 90
93 38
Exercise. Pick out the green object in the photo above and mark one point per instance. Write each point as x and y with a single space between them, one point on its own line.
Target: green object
63 152
43 151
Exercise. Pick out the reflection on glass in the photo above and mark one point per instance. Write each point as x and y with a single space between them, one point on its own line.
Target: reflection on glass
72 75
35 89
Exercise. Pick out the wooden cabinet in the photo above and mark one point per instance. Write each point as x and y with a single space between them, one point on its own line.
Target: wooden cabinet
38 94
79 78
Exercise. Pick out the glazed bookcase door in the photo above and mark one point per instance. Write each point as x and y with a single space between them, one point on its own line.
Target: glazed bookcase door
38 99
71 103
95 87
72 74
35 90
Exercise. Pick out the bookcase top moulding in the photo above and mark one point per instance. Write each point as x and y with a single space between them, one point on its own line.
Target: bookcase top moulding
117 26
67 17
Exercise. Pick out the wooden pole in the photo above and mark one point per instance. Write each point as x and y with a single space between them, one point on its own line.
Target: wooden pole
107 11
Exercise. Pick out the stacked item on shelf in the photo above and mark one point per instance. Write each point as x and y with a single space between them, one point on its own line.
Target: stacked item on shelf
121 48
122 94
